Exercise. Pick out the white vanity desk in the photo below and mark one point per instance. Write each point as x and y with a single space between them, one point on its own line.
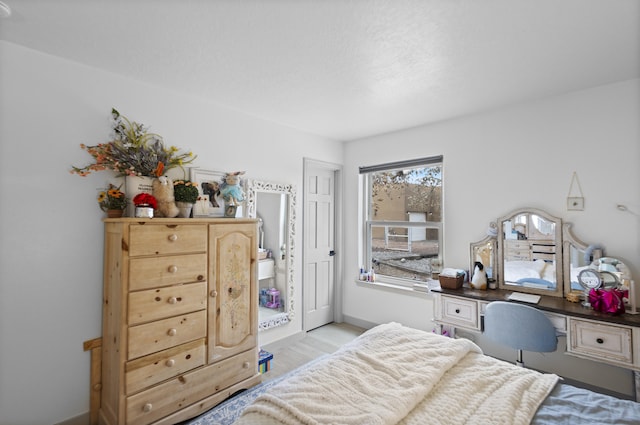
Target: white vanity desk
590 334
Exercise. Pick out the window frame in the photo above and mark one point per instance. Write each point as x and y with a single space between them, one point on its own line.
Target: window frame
367 224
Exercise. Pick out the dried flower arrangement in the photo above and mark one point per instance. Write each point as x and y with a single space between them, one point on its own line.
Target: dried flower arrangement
133 152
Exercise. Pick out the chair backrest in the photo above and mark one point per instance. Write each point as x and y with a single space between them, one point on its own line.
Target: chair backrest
519 326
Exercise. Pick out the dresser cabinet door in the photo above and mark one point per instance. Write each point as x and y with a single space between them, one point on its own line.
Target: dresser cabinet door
233 298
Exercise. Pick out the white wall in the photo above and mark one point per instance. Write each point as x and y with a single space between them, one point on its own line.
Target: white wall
506 159
51 243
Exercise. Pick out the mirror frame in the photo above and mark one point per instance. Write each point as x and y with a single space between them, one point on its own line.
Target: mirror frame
558 255
253 187
568 241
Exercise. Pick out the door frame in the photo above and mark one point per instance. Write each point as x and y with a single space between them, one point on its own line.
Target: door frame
337 238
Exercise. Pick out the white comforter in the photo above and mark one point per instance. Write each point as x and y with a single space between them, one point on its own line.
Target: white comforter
393 374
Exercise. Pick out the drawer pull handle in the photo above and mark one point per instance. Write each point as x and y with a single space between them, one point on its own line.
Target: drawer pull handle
173 269
170 363
213 293
172 300
457 311
147 407
600 341
173 237
172 332
246 365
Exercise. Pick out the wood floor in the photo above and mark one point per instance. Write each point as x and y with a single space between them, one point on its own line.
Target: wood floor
318 342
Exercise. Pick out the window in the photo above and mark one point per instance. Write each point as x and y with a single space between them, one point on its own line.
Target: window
403 219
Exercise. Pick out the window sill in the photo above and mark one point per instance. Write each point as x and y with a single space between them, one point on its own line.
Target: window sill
400 289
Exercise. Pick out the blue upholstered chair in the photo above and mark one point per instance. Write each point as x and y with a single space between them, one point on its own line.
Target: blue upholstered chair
520 327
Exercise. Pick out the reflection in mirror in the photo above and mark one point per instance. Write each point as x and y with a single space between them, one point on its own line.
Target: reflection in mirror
274 206
614 272
529 252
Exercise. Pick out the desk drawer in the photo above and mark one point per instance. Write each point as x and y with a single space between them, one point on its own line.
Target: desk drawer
601 341
460 312
559 322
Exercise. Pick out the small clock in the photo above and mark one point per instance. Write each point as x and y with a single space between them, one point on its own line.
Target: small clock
589 279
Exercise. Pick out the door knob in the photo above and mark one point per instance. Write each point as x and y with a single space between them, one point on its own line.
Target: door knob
332 253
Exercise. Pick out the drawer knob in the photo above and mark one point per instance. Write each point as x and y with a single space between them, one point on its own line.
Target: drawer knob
213 293
600 341
147 407
172 300
457 311
170 363
173 269
246 365
173 237
172 332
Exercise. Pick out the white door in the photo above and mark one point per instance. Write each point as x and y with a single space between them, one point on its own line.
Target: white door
319 238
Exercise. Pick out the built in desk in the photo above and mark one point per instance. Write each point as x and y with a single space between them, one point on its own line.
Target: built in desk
590 334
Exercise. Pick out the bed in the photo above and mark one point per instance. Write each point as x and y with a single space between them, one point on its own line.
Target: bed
394 374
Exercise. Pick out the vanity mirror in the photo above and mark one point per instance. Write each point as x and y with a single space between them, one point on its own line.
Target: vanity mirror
485 252
274 205
530 252
578 257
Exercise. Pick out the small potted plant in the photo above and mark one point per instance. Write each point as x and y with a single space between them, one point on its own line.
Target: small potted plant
186 194
112 201
145 203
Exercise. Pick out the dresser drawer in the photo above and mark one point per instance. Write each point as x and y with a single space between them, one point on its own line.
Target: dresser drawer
152 369
159 239
186 389
162 334
460 312
517 244
160 303
543 248
517 255
600 341
151 272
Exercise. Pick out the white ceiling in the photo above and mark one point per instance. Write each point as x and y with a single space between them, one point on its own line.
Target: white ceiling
344 69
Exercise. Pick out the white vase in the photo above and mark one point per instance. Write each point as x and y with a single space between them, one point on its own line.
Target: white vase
185 209
135 185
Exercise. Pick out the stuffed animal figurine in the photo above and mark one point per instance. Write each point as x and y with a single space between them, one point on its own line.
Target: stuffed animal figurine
479 279
163 192
231 190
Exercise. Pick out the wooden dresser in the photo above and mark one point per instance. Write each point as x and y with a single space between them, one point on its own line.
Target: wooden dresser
179 331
